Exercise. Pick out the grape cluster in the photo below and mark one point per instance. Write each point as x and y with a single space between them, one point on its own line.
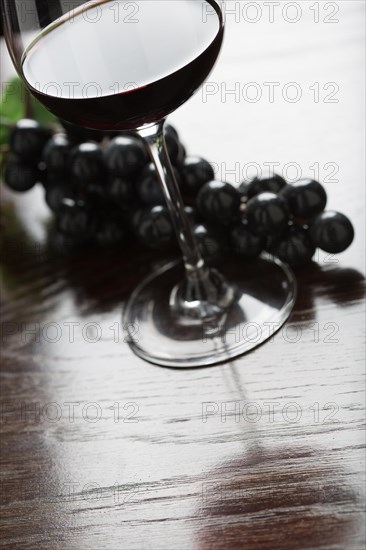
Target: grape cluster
103 190
289 220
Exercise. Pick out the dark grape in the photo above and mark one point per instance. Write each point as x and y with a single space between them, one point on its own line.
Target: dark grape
210 244
155 228
96 135
180 156
64 244
86 163
148 186
27 140
19 176
76 221
306 198
95 194
267 214
78 134
244 242
295 247
121 191
195 172
172 144
272 184
55 194
125 156
169 129
273 240
55 155
110 233
134 219
332 232
192 215
175 148
218 203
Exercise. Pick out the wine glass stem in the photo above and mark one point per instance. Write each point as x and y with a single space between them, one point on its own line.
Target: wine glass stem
154 139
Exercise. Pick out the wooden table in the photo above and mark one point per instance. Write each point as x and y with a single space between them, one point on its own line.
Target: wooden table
102 450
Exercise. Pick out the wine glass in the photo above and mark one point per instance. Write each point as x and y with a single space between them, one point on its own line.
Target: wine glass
125 65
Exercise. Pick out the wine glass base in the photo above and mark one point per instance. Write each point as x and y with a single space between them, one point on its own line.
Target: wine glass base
266 290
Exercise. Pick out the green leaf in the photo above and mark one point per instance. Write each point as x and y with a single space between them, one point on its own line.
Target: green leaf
11 107
40 113
12 103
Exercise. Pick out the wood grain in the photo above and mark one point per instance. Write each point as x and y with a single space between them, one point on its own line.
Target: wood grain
102 450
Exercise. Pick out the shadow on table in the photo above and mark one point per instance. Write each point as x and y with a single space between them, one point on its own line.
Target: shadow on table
105 278
114 274
283 498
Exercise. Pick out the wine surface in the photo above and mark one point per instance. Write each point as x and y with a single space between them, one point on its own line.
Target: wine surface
119 64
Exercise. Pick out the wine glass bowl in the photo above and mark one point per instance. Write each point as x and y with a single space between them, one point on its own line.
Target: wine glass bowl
104 67
100 65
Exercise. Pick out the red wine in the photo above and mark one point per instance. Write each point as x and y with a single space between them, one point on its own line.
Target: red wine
104 67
